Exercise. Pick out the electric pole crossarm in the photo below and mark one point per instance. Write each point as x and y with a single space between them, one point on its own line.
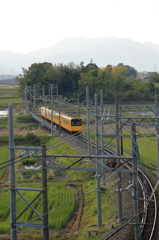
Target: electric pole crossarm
34 225
29 189
91 169
107 156
27 148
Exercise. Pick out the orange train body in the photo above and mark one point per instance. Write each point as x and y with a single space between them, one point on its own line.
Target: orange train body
72 124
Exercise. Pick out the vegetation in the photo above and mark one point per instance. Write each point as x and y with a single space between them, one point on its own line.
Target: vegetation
4 157
73 79
9 94
24 119
4 123
14 101
61 206
64 184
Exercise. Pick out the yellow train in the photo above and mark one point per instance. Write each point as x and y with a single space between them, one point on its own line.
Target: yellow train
71 124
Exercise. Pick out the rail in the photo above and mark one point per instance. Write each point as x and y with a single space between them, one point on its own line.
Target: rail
149 208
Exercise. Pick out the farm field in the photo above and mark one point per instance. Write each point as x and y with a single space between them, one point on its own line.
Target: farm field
61 197
146 145
62 186
61 206
9 94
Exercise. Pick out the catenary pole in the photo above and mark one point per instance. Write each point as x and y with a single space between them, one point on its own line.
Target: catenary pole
12 175
25 99
45 200
118 161
78 109
88 118
99 212
34 93
102 136
52 86
135 158
157 130
43 94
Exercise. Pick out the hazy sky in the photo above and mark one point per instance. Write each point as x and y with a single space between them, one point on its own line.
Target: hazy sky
27 25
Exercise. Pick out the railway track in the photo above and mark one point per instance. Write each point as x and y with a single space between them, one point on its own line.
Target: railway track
148 202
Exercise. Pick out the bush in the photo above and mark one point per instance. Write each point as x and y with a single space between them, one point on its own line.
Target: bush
29 161
4 123
32 139
24 119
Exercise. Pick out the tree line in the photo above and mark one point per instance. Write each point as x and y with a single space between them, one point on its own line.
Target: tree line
73 78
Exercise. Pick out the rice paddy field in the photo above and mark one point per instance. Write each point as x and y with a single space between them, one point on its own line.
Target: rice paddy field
62 186
9 94
61 206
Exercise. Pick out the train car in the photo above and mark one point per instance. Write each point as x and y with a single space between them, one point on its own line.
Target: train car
71 124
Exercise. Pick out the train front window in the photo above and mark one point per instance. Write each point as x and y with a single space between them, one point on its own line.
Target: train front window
76 122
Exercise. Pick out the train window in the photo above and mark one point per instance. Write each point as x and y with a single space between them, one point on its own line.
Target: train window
76 122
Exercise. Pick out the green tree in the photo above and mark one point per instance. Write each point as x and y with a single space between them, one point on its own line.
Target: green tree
89 67
69 75
154 77
131 72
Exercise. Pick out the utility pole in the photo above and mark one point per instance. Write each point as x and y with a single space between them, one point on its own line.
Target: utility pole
45 200
157 129
43 95
34 93
59 118
25 91
57 91
135 158
12 175
118 161
52 86
73 86
99 212
88 118
23 97
102 128
78 109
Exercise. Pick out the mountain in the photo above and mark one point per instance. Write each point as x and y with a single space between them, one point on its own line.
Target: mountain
103 51
12 62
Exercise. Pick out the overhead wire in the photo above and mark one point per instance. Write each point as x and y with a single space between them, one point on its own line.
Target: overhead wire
49 211
25 224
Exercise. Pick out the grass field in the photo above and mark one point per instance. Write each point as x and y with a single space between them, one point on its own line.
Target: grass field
61 206
4 156
12 95
14 101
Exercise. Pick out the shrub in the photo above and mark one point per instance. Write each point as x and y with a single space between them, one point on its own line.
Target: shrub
29 161
24 119
32 139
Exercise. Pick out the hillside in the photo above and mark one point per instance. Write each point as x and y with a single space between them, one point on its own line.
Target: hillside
103 51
